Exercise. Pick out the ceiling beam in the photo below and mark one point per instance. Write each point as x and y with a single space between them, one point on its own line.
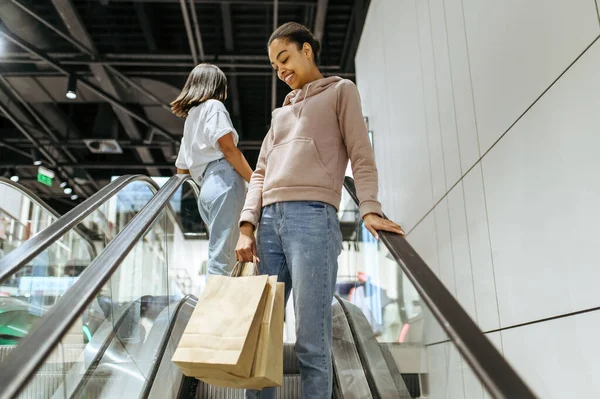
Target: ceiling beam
156 64
43 150
355 28
90 52
320 19
250 2
124 144
111 57
101 93
76 28
93 165
188 30
15 149
230 48
169 73
309 13
146 25
197 33
45 126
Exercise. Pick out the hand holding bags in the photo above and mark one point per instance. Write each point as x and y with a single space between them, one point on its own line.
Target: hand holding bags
235 335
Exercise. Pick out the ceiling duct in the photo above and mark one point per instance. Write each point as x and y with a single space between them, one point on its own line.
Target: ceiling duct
103 146
105 133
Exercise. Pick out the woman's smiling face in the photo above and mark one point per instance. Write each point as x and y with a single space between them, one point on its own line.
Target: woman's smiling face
294 65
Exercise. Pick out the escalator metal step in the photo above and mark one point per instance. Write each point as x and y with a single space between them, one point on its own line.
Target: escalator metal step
289 390
290 360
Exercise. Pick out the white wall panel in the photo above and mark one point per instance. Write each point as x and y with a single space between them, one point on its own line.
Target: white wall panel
404 144
464 106
542 189
372 88
445 95
517 49
430 101
557 359
481 253
465 292
445 372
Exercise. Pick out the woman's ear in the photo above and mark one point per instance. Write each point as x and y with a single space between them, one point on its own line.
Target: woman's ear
307 50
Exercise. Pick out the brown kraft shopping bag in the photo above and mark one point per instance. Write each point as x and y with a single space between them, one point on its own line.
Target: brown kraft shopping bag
222 333
267 370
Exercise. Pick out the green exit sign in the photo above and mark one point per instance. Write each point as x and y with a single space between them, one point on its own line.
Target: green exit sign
45 176
45 179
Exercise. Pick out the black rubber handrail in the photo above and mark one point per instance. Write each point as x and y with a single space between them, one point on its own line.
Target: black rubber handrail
33 349
37 200
31 248
498 377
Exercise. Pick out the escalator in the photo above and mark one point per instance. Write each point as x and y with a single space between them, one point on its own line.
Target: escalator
416 345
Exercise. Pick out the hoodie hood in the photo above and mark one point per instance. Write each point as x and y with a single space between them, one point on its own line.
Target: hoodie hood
310 89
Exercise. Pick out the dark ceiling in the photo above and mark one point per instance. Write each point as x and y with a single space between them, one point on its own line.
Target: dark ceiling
130 58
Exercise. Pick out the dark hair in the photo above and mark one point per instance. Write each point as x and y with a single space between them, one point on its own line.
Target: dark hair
206 82
299 34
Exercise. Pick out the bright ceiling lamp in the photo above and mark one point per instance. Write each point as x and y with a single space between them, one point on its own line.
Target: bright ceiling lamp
72 87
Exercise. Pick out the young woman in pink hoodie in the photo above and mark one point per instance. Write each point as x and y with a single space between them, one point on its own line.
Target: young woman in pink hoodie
295 192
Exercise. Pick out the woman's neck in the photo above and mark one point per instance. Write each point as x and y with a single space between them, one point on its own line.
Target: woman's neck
315 75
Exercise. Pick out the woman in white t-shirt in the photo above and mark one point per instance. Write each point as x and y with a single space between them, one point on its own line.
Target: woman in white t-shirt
209 153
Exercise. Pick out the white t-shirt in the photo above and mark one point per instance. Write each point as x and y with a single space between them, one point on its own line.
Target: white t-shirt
204 126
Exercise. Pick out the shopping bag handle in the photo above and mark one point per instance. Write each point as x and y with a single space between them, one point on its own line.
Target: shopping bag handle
238 268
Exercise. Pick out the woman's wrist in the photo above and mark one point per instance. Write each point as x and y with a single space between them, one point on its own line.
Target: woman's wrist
247 228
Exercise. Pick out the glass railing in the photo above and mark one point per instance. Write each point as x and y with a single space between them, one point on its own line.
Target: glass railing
23 215
12 232
413 335
132 309
33 286
102 337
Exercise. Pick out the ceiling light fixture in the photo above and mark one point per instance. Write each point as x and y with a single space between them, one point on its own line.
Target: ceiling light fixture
74 197
72 87
68 190
15 178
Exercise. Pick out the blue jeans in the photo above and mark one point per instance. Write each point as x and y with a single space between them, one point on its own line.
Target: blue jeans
222 196
300 243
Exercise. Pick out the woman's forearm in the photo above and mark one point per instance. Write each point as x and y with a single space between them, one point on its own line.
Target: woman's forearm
239 163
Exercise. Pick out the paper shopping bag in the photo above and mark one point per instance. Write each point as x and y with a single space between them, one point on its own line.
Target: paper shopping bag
222 333
267 370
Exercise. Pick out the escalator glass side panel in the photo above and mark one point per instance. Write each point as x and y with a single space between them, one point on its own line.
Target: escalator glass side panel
402 342
34 288
125 324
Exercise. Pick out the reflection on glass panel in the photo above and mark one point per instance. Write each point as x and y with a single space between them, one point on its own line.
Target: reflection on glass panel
405 346
41 282
110 351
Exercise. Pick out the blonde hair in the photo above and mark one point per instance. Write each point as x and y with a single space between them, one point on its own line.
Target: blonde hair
206 82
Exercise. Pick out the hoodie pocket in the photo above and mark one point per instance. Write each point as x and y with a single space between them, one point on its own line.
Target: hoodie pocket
296 163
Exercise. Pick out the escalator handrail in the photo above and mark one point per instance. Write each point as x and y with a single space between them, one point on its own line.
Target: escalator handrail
19 257
30 353
498 377
37 200
145 392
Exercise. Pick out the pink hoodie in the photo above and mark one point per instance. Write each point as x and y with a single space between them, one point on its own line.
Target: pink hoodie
305 153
